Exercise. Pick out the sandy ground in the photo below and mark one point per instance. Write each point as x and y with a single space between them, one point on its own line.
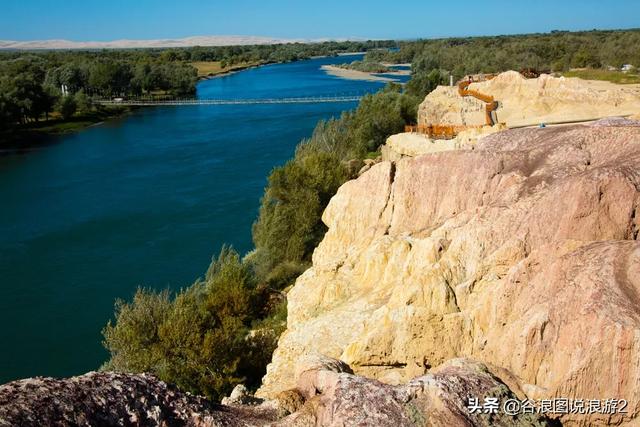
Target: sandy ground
391 64
400 72
354 75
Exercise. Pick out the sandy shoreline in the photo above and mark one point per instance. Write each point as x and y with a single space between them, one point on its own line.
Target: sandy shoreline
355 75
391 64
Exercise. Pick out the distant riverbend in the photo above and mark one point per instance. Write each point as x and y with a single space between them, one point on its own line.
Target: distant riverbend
142 200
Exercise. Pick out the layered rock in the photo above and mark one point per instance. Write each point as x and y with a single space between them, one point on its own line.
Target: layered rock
522 254
546 99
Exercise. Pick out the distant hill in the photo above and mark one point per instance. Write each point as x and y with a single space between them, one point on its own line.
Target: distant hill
132 44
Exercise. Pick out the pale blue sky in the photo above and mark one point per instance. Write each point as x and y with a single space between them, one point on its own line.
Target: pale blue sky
102 20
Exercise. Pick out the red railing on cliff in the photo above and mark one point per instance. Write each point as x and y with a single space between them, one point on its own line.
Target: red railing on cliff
445 131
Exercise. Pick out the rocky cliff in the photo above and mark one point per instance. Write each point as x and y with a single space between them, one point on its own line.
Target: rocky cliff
522 254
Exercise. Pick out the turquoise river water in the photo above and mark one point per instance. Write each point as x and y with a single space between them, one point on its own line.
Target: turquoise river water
145 200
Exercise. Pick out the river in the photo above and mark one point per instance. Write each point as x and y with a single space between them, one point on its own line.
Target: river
145 200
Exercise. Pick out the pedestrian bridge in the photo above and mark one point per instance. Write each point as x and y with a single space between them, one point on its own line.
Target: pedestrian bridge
194 101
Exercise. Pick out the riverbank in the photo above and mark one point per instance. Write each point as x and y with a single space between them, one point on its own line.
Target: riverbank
37 134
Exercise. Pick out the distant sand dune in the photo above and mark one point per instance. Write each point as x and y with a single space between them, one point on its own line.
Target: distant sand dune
131 44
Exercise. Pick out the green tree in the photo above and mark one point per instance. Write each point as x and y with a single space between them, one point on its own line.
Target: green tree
83 102
67 106
421 84
585 58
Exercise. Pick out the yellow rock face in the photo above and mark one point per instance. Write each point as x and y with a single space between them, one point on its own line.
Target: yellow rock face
521 253
546 99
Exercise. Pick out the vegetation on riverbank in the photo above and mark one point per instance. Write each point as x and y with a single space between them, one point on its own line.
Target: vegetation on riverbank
557 51
35 133
44 94
366 67
197 339
223 329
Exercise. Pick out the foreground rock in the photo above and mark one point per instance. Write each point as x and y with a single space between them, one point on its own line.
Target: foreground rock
522 253
335 397
327 394
545 99
110 399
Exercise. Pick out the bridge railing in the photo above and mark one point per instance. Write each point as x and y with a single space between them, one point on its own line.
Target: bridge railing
240 101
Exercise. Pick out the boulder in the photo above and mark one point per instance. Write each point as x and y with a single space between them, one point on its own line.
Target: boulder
241 396
437 399
114 399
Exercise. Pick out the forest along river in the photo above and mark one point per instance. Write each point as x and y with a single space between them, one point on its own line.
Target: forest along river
145 200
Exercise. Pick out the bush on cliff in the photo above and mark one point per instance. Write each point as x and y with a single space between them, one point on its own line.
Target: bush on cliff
426 79
195 339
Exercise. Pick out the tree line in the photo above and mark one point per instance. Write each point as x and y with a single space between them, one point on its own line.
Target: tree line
32 86
36 83
557 51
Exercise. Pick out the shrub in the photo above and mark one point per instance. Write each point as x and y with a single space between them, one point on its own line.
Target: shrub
197 338
133 341
83 102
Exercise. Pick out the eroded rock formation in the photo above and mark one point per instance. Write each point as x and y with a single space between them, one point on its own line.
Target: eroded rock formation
334 397
522 254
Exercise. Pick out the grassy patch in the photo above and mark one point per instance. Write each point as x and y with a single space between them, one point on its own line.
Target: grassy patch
610 76
372 155
212 68
60 126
